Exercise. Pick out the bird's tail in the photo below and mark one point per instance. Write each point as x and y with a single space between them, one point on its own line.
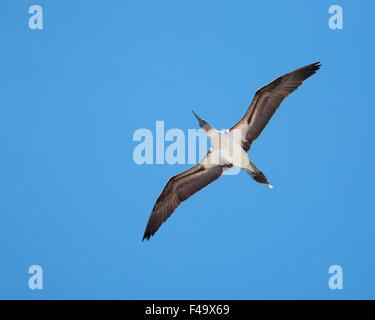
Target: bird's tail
258 176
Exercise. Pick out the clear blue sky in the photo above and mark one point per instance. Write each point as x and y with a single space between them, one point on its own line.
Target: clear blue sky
74 202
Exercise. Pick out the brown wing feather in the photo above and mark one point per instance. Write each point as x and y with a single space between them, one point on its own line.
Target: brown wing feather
267 100
178 189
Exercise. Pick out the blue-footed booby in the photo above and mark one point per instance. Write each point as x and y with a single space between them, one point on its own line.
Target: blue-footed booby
228 148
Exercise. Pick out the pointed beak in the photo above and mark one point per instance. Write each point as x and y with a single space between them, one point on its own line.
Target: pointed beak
201 122
199 119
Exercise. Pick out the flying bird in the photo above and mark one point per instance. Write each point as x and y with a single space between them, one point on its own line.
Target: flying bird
228 148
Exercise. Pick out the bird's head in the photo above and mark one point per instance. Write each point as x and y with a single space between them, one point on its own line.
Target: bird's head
202 123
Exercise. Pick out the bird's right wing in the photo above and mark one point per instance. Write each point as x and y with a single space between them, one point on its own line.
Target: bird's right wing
267 100
181 187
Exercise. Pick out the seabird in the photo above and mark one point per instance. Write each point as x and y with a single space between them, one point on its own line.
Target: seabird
228 148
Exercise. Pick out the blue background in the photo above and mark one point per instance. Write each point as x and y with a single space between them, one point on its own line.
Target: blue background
74 202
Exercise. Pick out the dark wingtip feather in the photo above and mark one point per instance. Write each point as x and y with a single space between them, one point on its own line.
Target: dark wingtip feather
303 73
152 227
314 67
146 236
147 233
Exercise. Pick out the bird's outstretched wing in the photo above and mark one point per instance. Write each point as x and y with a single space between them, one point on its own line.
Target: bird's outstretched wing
181 187
267 100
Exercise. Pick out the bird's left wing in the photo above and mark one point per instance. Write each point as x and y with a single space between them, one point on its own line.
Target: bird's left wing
181 187
267 100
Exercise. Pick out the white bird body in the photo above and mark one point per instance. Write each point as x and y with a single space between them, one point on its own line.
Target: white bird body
226 148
